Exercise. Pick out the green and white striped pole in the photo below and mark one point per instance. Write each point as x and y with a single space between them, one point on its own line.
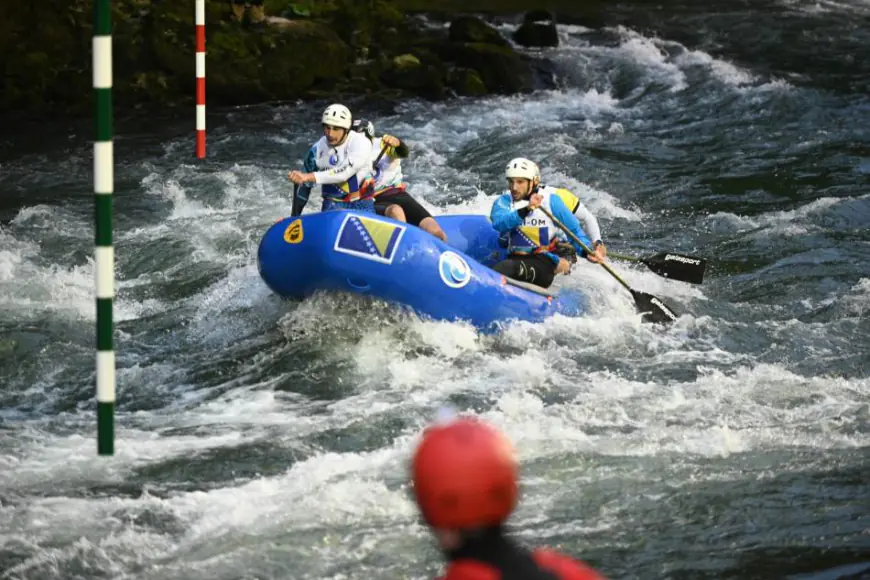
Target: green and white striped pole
104 254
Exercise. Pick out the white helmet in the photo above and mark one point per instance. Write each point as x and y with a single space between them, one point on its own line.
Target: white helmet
337 116
522 168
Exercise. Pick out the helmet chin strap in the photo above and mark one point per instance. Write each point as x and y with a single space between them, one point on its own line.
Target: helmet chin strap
534 185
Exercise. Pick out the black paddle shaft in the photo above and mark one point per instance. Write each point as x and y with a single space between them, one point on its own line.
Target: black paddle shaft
381 154
653 309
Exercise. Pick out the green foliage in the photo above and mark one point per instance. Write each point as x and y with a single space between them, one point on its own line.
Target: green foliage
323 46
297 8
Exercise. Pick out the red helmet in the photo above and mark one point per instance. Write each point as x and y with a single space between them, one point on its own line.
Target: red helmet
464 475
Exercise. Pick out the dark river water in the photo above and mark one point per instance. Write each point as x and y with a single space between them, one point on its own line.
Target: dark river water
264 439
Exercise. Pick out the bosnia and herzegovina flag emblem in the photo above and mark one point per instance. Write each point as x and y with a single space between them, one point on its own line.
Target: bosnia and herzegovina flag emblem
369 238
530 236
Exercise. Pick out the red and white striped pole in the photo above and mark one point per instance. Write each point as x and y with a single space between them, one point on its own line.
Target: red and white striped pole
200 78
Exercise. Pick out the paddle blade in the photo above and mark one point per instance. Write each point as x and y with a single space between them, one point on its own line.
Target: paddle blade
653 309
677 266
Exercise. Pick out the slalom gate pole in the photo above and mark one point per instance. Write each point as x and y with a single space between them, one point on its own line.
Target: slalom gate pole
104 253
200 78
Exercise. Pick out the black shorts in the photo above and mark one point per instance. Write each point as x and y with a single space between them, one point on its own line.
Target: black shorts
414 212
536 269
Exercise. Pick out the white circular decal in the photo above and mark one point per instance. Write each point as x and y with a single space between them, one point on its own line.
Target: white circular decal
454 270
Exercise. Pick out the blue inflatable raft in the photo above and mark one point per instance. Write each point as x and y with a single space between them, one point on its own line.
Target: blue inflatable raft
363 253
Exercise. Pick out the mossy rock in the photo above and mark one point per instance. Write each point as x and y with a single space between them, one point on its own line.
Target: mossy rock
537 35
435 44
366 75
336 45
7 346
388 41
430 59
502 70
538 29
361 21
405 62
466 82
471 29
293 8
275 63
45 54
424 80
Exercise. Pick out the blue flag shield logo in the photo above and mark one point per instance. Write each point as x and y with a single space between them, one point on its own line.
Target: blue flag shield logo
369 238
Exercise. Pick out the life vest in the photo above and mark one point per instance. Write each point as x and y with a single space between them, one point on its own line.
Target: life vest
538 233
335 159
571 201
387 172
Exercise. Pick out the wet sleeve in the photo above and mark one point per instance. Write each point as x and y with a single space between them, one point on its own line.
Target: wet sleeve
590 223
503 218
358 158
564 215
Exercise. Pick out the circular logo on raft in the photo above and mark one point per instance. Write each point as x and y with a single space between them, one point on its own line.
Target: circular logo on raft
454 270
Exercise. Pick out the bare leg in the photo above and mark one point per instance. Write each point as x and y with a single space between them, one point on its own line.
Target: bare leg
431 226
395 212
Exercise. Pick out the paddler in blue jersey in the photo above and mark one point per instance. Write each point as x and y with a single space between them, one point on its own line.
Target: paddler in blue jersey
340 162
537 248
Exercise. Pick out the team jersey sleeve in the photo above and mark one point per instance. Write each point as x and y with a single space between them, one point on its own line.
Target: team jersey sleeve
358 158
584 216
564 215
503 218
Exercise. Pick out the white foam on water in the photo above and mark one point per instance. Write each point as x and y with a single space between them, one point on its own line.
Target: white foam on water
433 126
818 7
660 61
719 414
648 53
53 220
789 223
749 408
72 459
722 70
31 288
173 192
602 204
12 256
857 302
